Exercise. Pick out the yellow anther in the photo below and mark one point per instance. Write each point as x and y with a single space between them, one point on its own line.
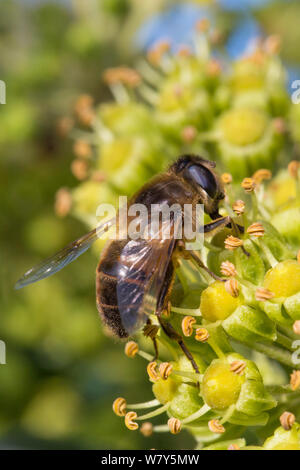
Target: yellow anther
238 367
228 269
187 325
174 425
165 370
119 406
231 243
130 421
215 426
232 287
131 348
202 335
287 420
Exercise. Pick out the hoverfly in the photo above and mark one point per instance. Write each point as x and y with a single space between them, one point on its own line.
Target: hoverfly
134 278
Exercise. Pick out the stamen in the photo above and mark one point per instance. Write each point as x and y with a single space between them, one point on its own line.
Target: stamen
150 330
296 327
146 429
151 369
130 423
287 420
131 349
273 44
82 149
226 178
231 243
126 75
201 412
215 426
295 380
232 287
119 406
187 311
262 294
174 425
202 335
155 54
228 269
165 370
238 367
142 406
154 413
79 169
293 168
256 230
248 184
213 68
63 202
203 25
187 325
261 175
238 207
188 134
233 447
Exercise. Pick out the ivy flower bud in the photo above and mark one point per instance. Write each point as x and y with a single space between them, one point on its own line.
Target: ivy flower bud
231 243
295 380
287 420
238 207
283 439
187 325
174 425
228 269
119 406
216 303
202 335
215 426
131 349
232 287
130 421
256 230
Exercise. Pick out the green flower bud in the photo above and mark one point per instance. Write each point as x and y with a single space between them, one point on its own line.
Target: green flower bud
248 324
216 303
284 279
287 222
247 140
126 119
284 440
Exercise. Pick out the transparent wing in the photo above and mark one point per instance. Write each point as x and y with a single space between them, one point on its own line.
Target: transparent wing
142 268
63 257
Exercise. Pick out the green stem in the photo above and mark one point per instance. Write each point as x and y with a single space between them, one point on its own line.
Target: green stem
274 352
284 341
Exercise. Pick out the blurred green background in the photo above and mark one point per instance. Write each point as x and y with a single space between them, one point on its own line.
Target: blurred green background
62 372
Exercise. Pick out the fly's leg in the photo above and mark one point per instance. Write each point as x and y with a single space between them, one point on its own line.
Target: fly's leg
150 331
172 334
164 306
226 222
195 258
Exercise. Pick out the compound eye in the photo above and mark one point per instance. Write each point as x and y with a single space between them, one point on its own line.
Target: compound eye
204 178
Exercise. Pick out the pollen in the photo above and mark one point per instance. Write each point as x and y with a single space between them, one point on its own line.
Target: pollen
238 207
248 184
296 327
165 370
146 429
262 175
124 75
226 178
187 325
232 287
151 370
295 380
293 168
231 243
228 269
131 349
202 335
256 230
233 447
287 420
262 294
215 426
174 425
238 367
130 421
119 406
